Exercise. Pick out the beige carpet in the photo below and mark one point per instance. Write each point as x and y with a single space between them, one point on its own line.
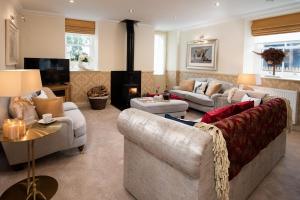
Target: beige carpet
97 173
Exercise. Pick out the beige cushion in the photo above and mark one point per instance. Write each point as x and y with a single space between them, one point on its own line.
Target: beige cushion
53 106
22 108
239 94
213 88
187 85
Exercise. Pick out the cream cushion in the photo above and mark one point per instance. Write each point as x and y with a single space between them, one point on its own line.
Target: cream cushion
187 85
257 101
213 88
22 108
53 106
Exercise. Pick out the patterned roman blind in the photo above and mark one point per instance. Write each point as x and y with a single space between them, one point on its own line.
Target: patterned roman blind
79 26
276 25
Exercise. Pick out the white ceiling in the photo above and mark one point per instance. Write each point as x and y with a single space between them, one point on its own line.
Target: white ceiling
163 14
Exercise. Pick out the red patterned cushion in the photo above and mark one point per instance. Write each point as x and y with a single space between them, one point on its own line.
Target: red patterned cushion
174 96
227 111
242 106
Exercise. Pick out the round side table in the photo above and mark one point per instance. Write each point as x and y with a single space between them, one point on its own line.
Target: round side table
33 187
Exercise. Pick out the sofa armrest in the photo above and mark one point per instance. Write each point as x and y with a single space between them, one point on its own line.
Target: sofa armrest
181 146
215 96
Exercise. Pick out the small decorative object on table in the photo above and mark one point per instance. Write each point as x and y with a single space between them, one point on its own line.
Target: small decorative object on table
98 97
166 95
14 129
273 57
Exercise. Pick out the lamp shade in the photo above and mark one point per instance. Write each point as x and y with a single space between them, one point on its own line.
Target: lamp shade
14 83
248 79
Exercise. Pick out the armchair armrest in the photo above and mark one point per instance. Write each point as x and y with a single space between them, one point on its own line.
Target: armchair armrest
215 96
186 148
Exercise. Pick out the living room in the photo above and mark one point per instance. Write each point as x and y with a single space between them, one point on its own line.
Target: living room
181 61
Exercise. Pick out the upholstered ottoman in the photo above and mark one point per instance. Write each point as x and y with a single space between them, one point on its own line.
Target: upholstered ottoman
176 108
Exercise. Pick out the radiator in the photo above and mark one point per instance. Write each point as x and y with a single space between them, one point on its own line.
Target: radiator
291 95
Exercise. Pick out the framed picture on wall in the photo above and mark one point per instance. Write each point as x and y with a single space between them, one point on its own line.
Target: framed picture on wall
202 55
11 43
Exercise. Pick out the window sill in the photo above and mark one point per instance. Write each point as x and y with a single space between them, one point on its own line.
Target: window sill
282 78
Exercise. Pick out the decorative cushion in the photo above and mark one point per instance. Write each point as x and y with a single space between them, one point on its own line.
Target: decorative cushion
247 98
186 122
22 108
187 85
213 88
53 106
242 106
42 94
174 96
227 111
200 87
237 94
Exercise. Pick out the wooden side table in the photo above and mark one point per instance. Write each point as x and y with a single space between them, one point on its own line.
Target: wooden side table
33 186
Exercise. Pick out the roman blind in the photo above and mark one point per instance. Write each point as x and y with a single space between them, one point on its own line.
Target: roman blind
276 25
79 26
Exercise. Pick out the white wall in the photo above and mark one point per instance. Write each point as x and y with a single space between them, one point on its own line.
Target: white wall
230 37
172 50
42 36
112 45
7 8
144 48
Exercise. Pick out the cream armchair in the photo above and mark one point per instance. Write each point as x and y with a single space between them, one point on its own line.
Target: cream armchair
71 135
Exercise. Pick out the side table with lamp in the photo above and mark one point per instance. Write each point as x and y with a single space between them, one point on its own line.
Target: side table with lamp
16 83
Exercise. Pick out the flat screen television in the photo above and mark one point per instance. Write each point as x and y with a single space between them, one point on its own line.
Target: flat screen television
53 70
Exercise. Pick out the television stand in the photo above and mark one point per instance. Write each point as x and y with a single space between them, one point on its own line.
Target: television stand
61 90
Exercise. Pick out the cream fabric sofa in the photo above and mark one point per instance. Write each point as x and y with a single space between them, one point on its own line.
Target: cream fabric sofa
71 135
166 160
203 102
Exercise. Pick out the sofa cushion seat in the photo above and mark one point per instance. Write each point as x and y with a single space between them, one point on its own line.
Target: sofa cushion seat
182 94
78 120
200 99
69 106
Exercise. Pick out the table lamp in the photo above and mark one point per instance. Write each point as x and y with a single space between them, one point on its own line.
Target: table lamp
17 83
246 80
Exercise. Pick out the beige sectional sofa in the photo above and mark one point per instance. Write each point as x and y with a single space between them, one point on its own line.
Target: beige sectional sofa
203 102
71 135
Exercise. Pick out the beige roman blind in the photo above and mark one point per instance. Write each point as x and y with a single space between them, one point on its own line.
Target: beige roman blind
276 25
79 26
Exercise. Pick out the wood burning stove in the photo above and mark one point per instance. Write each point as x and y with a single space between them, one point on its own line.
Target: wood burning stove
126 85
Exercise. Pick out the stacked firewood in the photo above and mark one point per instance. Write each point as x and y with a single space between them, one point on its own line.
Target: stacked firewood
99 91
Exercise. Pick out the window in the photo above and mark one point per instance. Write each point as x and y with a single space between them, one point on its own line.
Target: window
290 44
160 53
80 49
291 62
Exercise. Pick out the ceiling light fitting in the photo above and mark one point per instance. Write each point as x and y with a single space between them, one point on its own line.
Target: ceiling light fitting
71 1
131 10
217 4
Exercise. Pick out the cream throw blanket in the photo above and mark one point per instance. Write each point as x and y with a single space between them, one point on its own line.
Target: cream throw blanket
221 161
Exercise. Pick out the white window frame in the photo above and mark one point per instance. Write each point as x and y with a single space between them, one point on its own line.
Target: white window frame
160 53
260 41
74 65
